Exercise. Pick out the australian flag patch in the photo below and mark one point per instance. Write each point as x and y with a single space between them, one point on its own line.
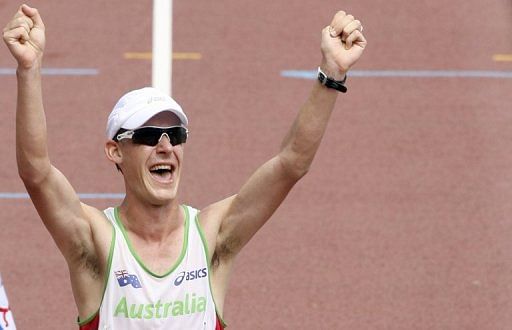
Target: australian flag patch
124 279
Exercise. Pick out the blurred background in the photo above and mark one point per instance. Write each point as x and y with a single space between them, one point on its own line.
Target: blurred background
404 221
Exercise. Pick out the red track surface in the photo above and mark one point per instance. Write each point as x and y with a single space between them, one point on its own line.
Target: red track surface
404 221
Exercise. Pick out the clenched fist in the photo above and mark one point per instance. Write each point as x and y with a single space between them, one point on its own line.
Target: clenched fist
342 45
24 36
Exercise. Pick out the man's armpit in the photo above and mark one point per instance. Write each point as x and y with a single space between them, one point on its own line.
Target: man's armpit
224 250
86 259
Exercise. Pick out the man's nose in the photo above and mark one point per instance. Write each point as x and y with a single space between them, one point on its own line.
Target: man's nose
164 142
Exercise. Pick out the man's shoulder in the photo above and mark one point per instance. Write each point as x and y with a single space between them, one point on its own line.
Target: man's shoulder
215 212
101 227
95 215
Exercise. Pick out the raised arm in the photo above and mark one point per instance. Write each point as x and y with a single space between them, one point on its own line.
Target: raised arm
240 216
54 198
342 44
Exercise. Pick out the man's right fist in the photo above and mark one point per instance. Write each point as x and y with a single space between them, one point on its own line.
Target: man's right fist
24 36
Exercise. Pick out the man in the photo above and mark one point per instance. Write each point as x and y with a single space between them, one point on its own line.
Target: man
152 262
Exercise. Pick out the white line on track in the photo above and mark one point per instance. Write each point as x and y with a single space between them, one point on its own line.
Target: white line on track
304 74
56 71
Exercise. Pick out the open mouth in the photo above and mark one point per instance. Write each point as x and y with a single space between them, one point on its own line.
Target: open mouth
162 171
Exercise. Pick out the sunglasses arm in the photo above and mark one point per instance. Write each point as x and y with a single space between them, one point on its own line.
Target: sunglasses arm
125 135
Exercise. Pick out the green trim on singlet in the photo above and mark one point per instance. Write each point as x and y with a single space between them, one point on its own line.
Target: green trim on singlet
205 245
109 265
136 256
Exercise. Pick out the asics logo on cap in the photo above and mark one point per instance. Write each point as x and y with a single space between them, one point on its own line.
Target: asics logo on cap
155 99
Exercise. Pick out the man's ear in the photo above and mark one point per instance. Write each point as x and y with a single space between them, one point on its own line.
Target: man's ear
113 152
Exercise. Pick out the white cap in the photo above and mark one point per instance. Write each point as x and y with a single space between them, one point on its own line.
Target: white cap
136 107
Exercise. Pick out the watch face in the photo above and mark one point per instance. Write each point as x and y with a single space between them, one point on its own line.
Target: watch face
322 77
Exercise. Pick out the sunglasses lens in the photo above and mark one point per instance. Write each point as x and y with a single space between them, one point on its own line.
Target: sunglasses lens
147 135
179 135
151 135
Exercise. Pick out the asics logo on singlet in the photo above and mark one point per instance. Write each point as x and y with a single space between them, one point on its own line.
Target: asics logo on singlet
189 276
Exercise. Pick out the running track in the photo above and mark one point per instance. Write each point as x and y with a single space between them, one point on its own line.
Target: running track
404 222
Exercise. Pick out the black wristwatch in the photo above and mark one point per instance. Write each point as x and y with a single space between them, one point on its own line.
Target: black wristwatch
338 85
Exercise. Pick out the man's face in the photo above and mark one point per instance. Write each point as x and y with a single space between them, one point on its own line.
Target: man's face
152 173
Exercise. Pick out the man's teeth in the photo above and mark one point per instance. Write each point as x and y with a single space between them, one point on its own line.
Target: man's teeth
161 168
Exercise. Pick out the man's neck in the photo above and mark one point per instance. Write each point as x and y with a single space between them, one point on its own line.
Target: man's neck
150 222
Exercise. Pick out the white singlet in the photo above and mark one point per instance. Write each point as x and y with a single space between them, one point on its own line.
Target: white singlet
136 298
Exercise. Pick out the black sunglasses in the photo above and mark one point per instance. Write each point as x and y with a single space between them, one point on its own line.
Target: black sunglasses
150 135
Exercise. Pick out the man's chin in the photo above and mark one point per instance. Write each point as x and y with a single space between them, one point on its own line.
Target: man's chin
163 198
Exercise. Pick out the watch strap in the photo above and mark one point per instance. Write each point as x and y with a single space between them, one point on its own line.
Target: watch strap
338 85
